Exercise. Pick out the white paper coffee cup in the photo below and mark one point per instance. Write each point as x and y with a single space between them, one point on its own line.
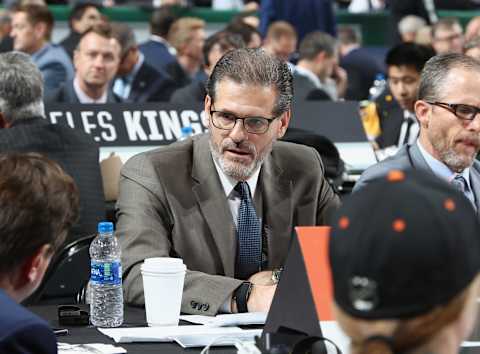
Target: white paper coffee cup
163 279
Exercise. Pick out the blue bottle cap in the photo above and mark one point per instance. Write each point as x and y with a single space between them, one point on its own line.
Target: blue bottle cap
105 226
187 130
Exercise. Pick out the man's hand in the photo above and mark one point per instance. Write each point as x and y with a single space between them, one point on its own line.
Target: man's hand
262 278
261 298
341 80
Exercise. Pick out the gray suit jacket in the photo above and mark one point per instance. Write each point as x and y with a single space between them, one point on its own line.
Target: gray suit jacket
408 157
172 203
55 66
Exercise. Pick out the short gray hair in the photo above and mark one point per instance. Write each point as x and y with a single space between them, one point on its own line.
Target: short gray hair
436 71
410 23
255 67
315 43
21 87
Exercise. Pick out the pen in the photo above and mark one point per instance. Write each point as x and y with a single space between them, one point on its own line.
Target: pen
60 331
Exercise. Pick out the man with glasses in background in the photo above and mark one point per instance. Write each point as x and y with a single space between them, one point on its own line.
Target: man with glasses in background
449 140
226 202
447 36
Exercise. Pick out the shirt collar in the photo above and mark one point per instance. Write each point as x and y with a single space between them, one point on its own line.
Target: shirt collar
310 74
440 169
229 183
162 40
84 98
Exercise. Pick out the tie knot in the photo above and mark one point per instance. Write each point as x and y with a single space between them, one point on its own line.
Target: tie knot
243 189
460 183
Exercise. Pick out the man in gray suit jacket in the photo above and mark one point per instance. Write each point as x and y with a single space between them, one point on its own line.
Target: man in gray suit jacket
449 138
188 199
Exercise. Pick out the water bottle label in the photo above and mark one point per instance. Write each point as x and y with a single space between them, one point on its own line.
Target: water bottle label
106 273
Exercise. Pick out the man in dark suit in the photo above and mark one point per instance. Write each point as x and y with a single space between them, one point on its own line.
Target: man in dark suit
84 15
136 80
360 64
390 120
158 52
225 202
449 140
215 47
23 128
96 61
317 75
38 205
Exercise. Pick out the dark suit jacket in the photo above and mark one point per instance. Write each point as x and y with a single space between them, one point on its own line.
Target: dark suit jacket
410 157
178 75
70 42
361 67
172 203
22 332
67 94
156 54
193 92
151 85
75 151
305 89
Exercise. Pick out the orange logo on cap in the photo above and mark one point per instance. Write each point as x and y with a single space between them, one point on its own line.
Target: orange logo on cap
395 176
449 204
399 225
343 222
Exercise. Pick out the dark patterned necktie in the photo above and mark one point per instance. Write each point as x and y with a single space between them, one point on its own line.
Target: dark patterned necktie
249 234
460 183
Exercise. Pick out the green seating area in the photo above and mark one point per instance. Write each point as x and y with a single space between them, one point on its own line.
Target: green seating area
374 26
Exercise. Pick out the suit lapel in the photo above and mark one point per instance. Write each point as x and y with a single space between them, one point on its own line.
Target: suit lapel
277 209
417 159
475 183
213 203
70 93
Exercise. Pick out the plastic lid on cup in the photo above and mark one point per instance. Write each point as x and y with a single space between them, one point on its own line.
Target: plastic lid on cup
163 265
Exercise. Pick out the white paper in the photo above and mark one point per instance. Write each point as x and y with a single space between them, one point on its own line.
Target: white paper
199 340
161 334
332 331
97 348
237 319
469 344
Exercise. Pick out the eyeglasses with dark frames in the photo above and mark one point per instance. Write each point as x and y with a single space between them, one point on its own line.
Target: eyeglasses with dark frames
460 110
227 121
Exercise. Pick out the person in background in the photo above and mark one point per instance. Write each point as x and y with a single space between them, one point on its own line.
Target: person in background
187 36
38 205
31 31
447 36
281 40
409 26
226 202
136 80
472 48
249 34
96 61
215 47
83 16
449 139
158 52
390 120
6 40
359 63
305 16
317 75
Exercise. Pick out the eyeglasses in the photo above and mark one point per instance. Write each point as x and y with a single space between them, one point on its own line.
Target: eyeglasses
461 111
227 121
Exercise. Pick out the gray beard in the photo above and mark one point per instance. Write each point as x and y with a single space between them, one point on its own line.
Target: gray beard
237 170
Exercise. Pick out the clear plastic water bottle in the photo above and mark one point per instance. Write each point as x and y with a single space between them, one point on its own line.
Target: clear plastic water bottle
106 296
186 132
379 85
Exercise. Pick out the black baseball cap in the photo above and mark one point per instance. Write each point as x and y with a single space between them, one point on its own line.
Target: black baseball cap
403 245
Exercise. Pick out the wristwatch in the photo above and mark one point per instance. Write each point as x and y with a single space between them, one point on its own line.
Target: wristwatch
241 295
276 272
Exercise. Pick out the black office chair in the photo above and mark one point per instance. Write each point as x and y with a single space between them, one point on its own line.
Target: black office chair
66 276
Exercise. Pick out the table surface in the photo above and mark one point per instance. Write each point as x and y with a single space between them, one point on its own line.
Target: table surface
134 317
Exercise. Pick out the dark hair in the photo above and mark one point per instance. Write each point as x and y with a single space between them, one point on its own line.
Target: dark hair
225 40
161 20
79 10
36 14
254 66
436 71
315 43
409 54
242 29
38 205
